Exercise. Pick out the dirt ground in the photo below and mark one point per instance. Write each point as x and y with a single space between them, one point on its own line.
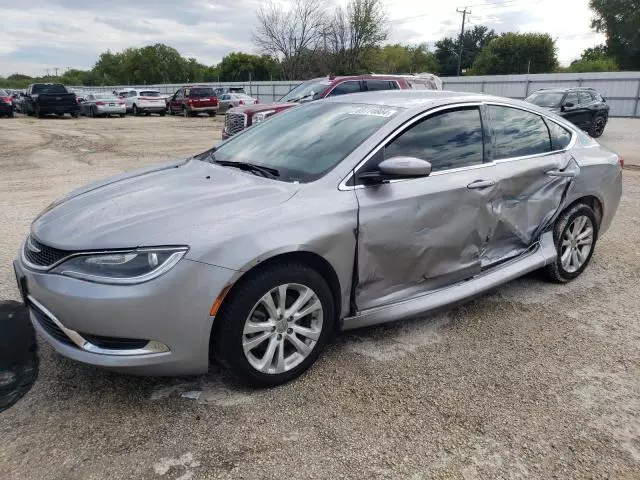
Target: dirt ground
531 381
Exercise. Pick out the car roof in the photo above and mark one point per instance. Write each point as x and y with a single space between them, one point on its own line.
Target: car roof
403 98
563 90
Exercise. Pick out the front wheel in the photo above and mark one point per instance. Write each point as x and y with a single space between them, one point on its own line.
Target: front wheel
162 113
134 110
575 234
274 325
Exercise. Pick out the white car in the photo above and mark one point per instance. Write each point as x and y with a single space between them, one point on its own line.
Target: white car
143 101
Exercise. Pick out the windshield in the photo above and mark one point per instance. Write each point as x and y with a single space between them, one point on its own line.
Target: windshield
546 99
149 93
201 92
53 88
305 142
106 96
3 93
306 90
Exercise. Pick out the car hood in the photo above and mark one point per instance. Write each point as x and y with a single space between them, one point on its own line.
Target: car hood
261 107
166 205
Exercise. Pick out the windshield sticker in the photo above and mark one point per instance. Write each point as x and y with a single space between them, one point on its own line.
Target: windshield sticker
374 110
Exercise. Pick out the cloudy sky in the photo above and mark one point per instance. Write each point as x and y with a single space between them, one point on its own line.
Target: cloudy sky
40 35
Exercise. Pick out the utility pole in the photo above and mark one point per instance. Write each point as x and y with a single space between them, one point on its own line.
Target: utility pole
56 69
464 13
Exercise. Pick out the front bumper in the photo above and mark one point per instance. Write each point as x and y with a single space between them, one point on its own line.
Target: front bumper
151 109
170 313
6 108
60 109
213 108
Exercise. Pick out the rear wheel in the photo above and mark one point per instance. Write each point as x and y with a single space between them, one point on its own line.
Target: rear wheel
274 325
75 114
185 112
212 114
575 234
597 127
162 113
39 113
122 115
134 110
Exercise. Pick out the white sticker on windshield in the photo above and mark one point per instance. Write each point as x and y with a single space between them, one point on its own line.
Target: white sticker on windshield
375 110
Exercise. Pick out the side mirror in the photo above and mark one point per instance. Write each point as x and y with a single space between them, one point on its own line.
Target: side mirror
398 168
569 105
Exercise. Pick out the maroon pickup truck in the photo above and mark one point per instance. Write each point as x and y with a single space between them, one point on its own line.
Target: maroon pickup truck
239 118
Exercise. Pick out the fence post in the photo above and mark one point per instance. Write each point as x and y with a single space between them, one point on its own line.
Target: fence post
273 92
482 86
526 90
635 111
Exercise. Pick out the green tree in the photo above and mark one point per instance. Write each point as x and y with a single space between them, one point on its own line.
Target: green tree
620 21
513 53
238 66
401 59
473 41
594 59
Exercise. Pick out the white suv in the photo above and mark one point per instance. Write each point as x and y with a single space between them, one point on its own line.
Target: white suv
143 101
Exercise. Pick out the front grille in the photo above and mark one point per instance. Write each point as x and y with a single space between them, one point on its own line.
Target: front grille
115 343
50 326
234 123
42 255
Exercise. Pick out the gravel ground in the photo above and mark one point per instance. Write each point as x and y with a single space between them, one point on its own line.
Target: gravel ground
532 381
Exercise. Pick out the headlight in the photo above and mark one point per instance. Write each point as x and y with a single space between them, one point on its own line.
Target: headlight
262 116
122 267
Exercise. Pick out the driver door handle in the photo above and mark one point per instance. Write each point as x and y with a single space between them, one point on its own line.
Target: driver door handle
481 184
560 173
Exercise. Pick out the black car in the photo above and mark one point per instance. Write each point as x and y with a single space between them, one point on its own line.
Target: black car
6 104
45 98
584 107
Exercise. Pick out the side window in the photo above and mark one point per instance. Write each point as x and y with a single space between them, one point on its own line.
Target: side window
449 139
226 96
373 85
560 136
585 98
343 88
516 133
571 98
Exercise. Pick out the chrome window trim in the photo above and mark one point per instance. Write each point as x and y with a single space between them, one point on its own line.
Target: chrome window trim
343 184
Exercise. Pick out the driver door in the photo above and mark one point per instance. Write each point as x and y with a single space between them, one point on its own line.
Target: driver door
421 234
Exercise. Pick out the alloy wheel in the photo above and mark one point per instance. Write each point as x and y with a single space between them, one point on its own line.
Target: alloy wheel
282 328
577 241
598 126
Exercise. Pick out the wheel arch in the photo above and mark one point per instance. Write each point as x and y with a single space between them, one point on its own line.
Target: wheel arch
592 201
305 257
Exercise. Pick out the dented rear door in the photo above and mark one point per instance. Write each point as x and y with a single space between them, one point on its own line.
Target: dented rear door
533 173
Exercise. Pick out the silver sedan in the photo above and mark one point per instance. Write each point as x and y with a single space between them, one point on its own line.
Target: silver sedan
337 214
230 100
102 105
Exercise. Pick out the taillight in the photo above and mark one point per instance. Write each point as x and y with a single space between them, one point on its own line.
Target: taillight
256 101
100 103
240 102
189 101
6 99
121 102
621 162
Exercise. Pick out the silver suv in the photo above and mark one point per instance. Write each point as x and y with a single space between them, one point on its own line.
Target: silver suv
337 214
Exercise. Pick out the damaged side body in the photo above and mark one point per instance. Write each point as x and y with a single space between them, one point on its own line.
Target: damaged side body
458 227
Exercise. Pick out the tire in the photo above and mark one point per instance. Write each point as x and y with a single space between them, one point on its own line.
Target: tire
162 113
39 113
597 126
212 114
91 113
10 115
122 115
18 353
185 112
244 303
134 110
75 114
559 271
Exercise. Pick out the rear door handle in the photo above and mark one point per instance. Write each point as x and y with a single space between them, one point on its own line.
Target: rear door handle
560 173
481 184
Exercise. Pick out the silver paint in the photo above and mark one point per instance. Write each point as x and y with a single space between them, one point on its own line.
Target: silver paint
421 244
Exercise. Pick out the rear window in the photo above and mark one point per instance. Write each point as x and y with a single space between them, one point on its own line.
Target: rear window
53 88
106 96
560 136
517 133
200 92
3 93
149 93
